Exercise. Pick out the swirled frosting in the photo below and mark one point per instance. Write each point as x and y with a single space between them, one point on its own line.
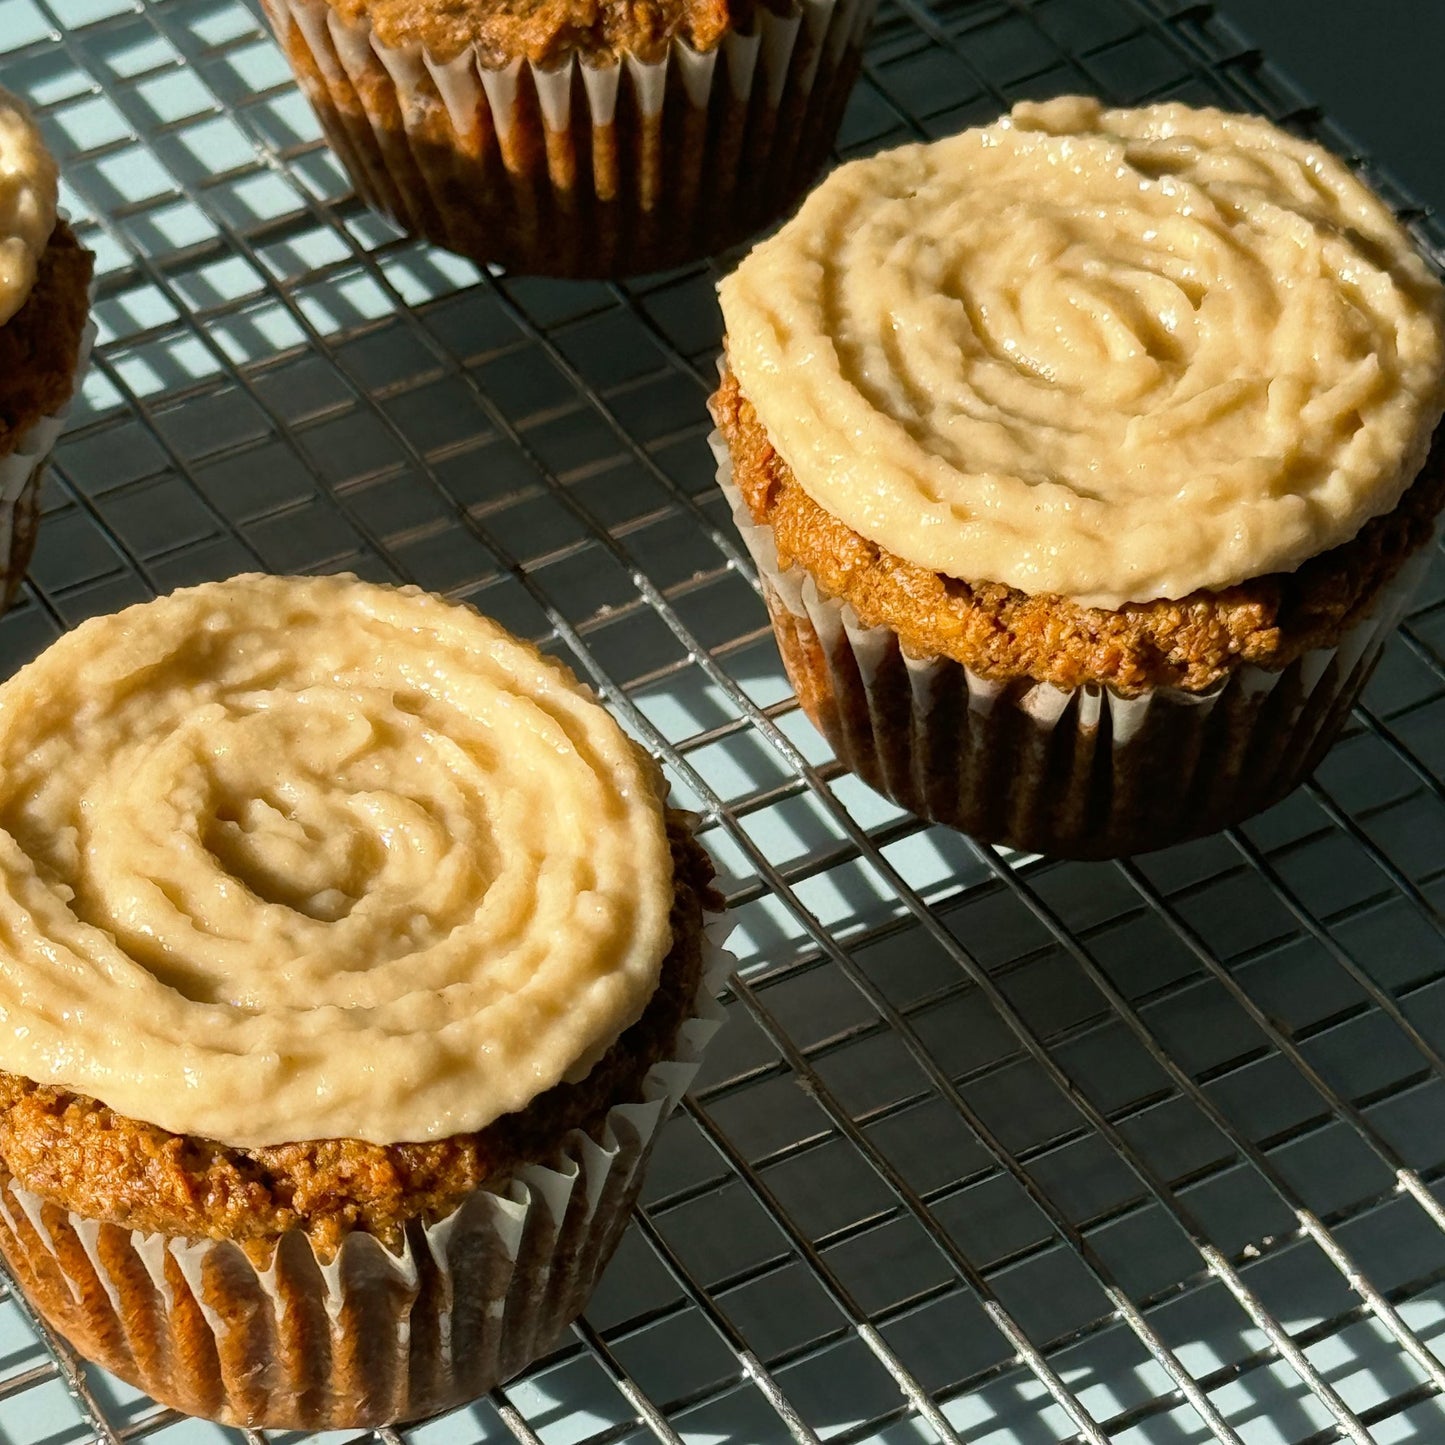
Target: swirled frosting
288 858
29 191
1114 355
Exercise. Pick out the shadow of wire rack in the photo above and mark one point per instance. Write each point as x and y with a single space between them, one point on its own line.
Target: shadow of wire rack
993 1149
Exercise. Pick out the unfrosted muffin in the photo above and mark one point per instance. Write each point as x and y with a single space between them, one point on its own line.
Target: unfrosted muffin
44 330
1087 460
570 138
351 963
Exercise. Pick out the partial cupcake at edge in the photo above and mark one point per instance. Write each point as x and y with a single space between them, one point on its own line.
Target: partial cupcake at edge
45 330
570 138
351 963
1087 458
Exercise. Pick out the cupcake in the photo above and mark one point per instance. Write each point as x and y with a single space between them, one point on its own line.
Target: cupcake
351 964
570 138
45 332
1088 458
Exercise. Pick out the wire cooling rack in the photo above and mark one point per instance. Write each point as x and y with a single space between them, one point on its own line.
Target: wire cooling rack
993 1149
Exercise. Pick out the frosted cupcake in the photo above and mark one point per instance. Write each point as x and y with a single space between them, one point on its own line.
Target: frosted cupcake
351 963
1087 460
44 330
574 139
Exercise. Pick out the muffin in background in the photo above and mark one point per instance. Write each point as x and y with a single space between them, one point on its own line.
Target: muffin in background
45 330
353 965
565 138
1088 459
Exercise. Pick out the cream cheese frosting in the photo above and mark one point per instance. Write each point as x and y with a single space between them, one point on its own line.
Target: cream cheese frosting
1113 355
29 193
287 858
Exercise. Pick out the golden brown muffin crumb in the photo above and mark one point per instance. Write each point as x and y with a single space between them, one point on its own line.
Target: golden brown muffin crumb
547 31
1001 633
77 1153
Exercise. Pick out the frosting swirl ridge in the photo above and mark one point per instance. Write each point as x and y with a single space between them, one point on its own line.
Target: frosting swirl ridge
287 858
1114 355
29 193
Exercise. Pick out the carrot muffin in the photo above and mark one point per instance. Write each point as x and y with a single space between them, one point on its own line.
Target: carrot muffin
1088 458
44 330
571 138
351 963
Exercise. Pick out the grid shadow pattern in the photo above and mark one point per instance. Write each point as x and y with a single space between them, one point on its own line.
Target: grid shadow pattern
994 1149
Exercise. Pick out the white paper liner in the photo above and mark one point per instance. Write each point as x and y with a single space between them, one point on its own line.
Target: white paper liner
1080 772
21 473
710 147
369 1337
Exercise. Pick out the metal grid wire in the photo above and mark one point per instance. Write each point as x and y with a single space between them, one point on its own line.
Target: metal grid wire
993 1148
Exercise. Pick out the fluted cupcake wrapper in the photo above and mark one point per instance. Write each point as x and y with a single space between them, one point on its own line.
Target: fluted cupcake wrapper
1077 773
22 471
582 169
369 1336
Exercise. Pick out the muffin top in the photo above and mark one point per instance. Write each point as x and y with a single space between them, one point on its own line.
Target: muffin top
286 859
29 191
79 1155
1109 355
548 31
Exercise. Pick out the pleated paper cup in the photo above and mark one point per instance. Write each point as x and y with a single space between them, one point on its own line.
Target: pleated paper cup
273 1335
22 472
1072 772
583 169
